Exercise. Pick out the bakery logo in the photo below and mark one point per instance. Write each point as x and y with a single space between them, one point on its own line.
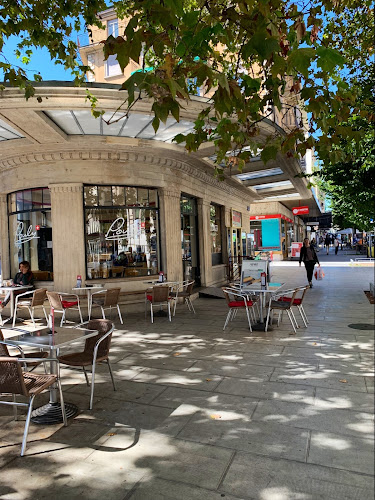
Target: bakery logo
21 237
115 232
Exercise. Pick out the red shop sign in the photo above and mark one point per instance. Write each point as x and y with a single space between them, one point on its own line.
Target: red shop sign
300 210
260 217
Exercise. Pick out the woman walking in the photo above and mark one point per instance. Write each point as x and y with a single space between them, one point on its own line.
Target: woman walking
309 258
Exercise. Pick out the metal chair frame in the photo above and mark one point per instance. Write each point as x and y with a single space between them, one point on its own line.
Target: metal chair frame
95 355
299 306
36 300
160 296
110 299
275 304
183 290
55 301
233 310
20 380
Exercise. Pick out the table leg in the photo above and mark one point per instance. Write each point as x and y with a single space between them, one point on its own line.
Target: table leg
261 326
50 413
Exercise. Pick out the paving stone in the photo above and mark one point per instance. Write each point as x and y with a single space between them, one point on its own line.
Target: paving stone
230 369
266 390
267 478
349 400
202 381
342 452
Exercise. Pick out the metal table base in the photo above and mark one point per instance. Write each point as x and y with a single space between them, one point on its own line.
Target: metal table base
50 413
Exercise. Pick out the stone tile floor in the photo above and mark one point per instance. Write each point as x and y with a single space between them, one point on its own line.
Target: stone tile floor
204 414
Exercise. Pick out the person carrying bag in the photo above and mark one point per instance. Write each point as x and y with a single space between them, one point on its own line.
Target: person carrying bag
309 258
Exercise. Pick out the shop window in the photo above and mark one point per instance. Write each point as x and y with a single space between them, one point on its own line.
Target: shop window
121 237
216 234
256 232
30 231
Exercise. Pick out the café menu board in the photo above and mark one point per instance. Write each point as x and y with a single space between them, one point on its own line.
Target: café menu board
251 271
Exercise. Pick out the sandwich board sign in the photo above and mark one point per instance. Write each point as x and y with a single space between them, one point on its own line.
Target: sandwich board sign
251 271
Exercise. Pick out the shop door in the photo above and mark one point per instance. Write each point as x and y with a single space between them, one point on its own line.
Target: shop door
189 239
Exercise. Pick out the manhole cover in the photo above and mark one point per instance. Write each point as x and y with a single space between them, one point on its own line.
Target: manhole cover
361 326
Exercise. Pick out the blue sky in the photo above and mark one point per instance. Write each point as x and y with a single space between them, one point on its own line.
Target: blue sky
40 62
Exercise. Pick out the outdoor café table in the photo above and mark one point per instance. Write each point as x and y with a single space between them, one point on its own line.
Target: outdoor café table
12 289
256 288
42 339
89 291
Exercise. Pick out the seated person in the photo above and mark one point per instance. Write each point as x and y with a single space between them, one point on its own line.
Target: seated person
24 277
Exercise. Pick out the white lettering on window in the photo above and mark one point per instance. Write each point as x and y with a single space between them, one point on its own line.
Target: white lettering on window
21 237
115 231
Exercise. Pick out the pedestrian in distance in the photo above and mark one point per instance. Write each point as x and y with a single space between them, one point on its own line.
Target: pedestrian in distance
309 258
327 242
336 245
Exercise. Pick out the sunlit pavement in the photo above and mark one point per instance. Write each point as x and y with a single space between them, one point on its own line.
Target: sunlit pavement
204 414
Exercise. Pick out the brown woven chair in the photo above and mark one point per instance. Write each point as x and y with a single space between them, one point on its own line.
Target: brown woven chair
30 300
16 382
60 302
96 350
158 295
26 355
106 299
184 290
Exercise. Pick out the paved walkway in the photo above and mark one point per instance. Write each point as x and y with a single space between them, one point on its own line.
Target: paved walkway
204 414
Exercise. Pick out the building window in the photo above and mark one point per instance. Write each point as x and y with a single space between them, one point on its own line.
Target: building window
112 67
30 231
112 28
256 232
91 65
121 225
216 234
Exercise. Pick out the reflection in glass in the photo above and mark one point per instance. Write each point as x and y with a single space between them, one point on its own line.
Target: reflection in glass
131 196
105 196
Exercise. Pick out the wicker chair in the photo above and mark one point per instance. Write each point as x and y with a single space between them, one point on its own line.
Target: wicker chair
60 302
25 355
158 295
297 302
106 299
281 306
16 382
96 350
30 300
184 290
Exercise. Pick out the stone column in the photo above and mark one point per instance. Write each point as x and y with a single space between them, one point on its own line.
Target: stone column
204 234
68 235
4 238
170 233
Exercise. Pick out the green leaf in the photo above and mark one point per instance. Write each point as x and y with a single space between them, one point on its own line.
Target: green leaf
269 153
329 59
300 60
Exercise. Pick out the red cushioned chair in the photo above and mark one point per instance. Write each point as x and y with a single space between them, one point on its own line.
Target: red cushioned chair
63 301
158 295
237 301
297 302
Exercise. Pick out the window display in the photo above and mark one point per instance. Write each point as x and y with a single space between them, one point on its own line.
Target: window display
216 234
121 231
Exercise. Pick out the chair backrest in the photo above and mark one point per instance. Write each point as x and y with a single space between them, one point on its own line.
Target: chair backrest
304 292
111 297
228 296
11 377
3 347
189 287
103 326
39 296
160 293
54 300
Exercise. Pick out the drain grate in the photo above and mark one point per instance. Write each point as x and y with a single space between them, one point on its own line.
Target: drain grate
361 326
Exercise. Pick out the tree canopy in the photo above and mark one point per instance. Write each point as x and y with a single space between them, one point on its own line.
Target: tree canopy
253 58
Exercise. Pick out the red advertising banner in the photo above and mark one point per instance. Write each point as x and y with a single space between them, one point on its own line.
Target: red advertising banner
300 210
271 216
296 248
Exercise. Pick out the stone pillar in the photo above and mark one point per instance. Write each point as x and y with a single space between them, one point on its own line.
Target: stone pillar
68 235
204 234
4 238
170 233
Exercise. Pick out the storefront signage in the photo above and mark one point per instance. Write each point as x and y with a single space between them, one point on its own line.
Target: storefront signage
300 210
296 248
271 216
115 232
236 219
21 237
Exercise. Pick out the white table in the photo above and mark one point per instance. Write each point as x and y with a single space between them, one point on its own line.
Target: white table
89 291
12 290
42 339
256 288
